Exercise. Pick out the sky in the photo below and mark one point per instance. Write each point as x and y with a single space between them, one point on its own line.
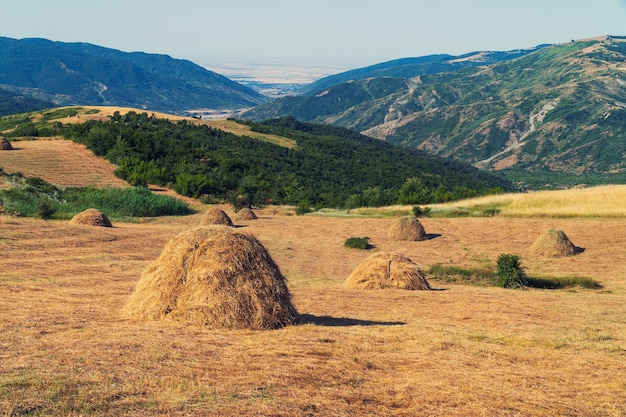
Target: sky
311 33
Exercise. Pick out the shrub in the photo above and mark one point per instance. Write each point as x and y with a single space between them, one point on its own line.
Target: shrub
357 243
303 208
421 212
509 272
45 209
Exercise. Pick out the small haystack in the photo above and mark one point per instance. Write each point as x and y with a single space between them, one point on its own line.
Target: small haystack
5 145
91 217
385 270
214 276
215 215
407 228
245 214
553 244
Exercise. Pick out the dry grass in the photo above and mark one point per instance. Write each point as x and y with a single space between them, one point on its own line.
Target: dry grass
66 349
388 271
245 214
600 201
60 162
215 215
215 277
407 228
553 243
91 217
462 351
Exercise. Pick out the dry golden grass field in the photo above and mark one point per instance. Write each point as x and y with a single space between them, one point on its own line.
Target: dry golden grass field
459 350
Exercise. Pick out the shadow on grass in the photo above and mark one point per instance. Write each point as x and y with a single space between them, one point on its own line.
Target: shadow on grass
343 321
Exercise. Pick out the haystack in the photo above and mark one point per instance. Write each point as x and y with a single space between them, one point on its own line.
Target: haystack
215 215
91 217
214 276
5 145
407 228
385 270
553 243
245 214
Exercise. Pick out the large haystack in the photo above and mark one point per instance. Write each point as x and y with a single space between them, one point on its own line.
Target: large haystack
5 145
215 215
245 214
385 270
553 244
214 276
91 217
407 228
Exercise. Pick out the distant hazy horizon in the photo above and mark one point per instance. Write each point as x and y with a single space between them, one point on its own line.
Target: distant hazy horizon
334 34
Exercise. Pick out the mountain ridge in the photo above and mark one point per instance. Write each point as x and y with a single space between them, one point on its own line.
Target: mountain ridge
556 112
86 74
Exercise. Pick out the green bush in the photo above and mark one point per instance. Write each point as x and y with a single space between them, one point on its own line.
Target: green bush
302 208
45 209
509 272
357 243
35 197
421 212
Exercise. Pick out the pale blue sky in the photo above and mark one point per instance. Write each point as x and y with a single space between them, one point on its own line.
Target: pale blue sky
334 33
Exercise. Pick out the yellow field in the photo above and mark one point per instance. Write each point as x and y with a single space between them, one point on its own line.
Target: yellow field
601 201
460 350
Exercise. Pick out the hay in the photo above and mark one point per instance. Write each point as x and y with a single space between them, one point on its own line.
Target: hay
553 244
407 228
245 214
385 270
91 217
214 276
5 145
215 215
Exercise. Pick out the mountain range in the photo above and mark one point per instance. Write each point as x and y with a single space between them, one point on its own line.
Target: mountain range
85 74
547 116
554 115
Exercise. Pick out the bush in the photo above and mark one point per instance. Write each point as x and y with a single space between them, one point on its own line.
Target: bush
509 272
421 212
45 209
357 243
303 208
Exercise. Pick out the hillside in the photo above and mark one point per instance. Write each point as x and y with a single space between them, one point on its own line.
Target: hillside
85 74
13 103
414 67
555 116
278 162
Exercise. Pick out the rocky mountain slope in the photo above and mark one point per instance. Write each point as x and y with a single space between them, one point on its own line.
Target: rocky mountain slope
558 113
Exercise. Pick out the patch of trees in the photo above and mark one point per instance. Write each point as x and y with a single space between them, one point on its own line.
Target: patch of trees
330 166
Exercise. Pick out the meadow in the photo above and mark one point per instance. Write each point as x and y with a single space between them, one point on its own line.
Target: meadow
458 350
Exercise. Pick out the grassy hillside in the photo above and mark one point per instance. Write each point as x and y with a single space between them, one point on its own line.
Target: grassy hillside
550 118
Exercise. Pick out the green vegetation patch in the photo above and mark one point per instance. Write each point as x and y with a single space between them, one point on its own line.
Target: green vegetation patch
487 276
357 243
34 197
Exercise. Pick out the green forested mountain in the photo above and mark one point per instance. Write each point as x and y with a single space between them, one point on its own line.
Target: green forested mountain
13 103
81 73
414 67
557 115
328 166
